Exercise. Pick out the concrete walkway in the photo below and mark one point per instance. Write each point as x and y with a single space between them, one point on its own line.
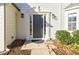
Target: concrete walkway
36 48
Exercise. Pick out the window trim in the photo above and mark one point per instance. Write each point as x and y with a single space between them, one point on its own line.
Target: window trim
71 15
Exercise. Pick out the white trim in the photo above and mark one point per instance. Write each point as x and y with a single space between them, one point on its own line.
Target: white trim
72 8
39 13
76 11
73 14
43 25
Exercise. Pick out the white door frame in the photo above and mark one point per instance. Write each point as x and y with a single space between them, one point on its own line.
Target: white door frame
40 13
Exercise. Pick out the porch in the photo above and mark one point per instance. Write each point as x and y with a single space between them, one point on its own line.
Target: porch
22 47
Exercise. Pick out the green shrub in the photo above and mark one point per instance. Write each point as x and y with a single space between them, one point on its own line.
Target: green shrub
76 36
64 36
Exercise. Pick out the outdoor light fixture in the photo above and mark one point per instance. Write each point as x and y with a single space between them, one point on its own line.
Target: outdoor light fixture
39 8
54 16
22 15
34 7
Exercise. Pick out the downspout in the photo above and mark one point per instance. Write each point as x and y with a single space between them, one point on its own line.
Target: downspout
60 15
4 26
50 26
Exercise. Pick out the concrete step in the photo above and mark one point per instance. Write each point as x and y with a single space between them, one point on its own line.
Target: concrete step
39 52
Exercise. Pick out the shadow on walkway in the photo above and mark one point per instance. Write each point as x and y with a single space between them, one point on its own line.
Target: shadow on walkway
35 41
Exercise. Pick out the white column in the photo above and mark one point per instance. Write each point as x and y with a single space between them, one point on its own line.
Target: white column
1 27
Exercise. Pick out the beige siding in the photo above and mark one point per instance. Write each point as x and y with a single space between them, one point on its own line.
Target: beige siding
18 26
11 17
1 27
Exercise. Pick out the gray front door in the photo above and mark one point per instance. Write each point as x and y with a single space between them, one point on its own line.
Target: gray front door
37 26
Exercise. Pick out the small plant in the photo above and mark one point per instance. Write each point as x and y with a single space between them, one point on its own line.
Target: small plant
76 36
64 36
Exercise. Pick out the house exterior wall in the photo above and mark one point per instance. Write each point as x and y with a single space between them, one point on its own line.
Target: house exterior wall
23 26
11 17
24 23
53 8
62 15
1 27
67 12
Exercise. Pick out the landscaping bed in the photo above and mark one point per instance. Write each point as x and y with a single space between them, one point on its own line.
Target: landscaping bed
66 43
15 48
62 49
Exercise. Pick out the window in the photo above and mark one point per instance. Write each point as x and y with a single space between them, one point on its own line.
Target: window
30 26
72 21
44 25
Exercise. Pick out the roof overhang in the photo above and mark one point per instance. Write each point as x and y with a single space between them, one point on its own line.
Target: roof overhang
72 6
15 6
76 7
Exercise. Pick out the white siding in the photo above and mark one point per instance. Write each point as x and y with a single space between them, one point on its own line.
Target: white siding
66 17
1 27
11 16
23 26
56 24
62 15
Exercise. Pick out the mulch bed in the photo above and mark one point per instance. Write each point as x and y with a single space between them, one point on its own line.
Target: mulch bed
15 48
64 49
